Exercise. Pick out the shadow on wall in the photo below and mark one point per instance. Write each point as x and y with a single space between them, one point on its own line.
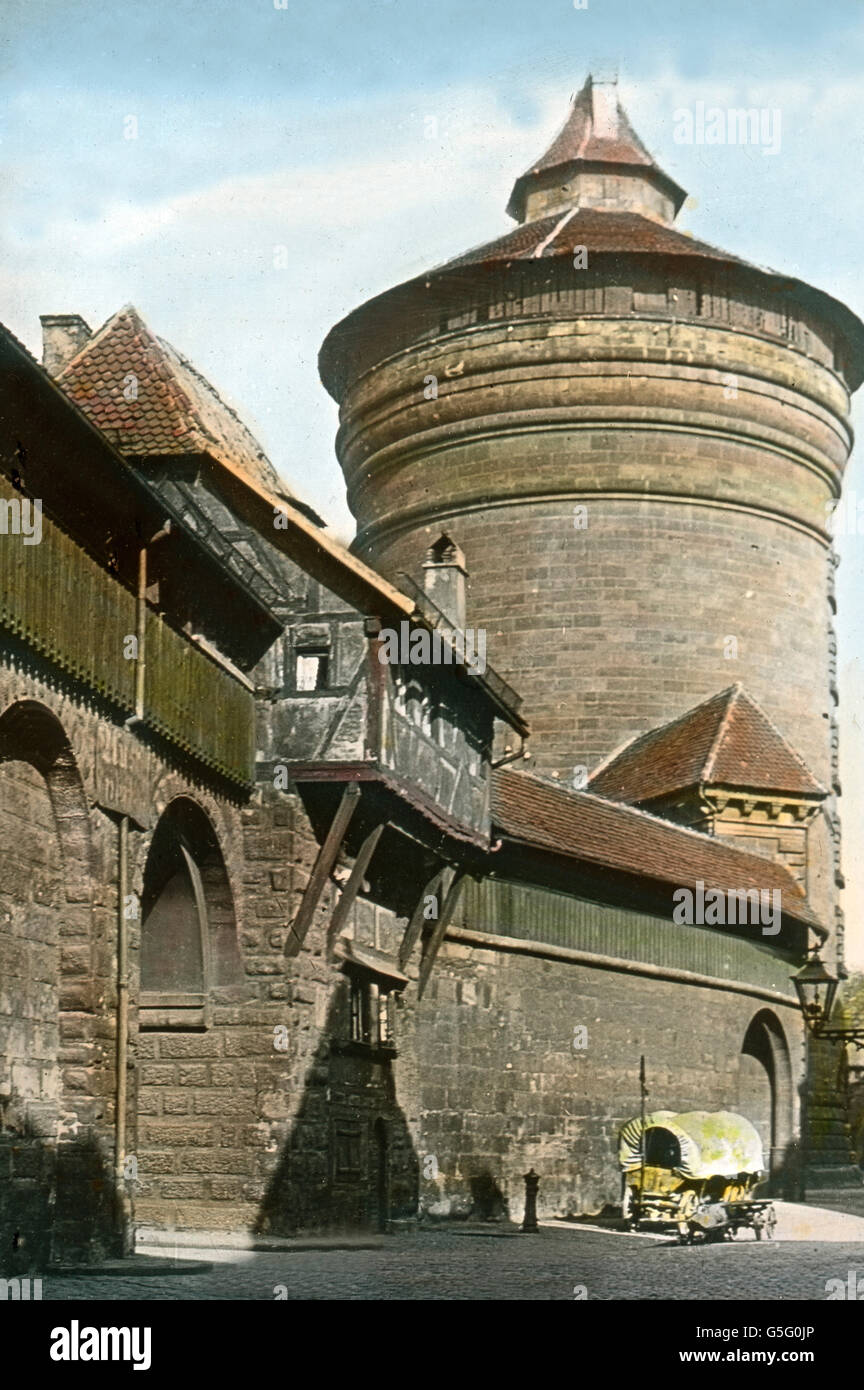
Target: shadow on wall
348 1161
785 1180
57 1201
488 1202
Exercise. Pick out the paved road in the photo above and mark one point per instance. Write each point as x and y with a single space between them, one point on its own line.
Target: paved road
458 1266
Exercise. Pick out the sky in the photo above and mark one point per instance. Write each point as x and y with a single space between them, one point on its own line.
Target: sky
247 171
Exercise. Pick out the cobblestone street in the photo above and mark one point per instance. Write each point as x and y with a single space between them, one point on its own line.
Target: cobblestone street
452 1265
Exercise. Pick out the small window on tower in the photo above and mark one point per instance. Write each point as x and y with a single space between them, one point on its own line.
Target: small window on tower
311 669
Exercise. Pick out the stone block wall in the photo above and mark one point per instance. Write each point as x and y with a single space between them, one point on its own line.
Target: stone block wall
660 484
31 896
262 1122
265 1119
58 911
269 1118
503 1089
645 516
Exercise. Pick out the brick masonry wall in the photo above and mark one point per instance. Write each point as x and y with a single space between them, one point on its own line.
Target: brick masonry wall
629 604
230 1131
617 628
502 1088
660 490
31 895
227 1130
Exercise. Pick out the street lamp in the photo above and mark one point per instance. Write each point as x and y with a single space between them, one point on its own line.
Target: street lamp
817 988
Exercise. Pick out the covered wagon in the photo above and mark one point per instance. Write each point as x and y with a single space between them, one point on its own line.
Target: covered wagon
696 1174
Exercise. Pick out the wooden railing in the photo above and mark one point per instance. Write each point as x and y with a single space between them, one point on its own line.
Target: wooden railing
56 599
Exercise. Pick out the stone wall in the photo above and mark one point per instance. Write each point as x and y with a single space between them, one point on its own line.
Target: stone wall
261 1122
272 1118
660 486
503 1089
58 976
257 1121
702 517
31 895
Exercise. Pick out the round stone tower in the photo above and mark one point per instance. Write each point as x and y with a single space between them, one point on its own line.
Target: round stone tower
634 438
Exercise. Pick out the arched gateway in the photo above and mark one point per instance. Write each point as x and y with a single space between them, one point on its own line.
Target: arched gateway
765 1092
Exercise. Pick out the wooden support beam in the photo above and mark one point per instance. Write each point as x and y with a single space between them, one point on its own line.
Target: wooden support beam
434 942
418 917
322 868
352 887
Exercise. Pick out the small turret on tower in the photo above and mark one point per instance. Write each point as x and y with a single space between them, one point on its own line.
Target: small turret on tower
596 161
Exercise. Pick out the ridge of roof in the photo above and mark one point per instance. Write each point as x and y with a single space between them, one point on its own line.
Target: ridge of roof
132 480
731 695
790 749
578 135
601 231
648 735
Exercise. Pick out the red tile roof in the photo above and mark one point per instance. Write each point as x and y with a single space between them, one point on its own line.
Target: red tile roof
580 139
599 231
582 826
151 401
583 140
726 741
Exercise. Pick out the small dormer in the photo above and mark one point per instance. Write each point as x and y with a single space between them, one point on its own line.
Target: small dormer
722 768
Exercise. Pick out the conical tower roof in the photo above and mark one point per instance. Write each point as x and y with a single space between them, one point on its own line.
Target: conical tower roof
595 189
596 133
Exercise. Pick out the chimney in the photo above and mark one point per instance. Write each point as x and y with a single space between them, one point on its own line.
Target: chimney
63 335
444 576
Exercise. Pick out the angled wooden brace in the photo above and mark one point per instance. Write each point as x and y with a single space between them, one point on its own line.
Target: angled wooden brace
352 887
434 942
322 869
415 926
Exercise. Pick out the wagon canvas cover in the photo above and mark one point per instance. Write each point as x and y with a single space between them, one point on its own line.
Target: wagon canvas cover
712 1143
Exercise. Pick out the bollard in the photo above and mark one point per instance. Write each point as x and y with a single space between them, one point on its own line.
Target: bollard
532 1182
